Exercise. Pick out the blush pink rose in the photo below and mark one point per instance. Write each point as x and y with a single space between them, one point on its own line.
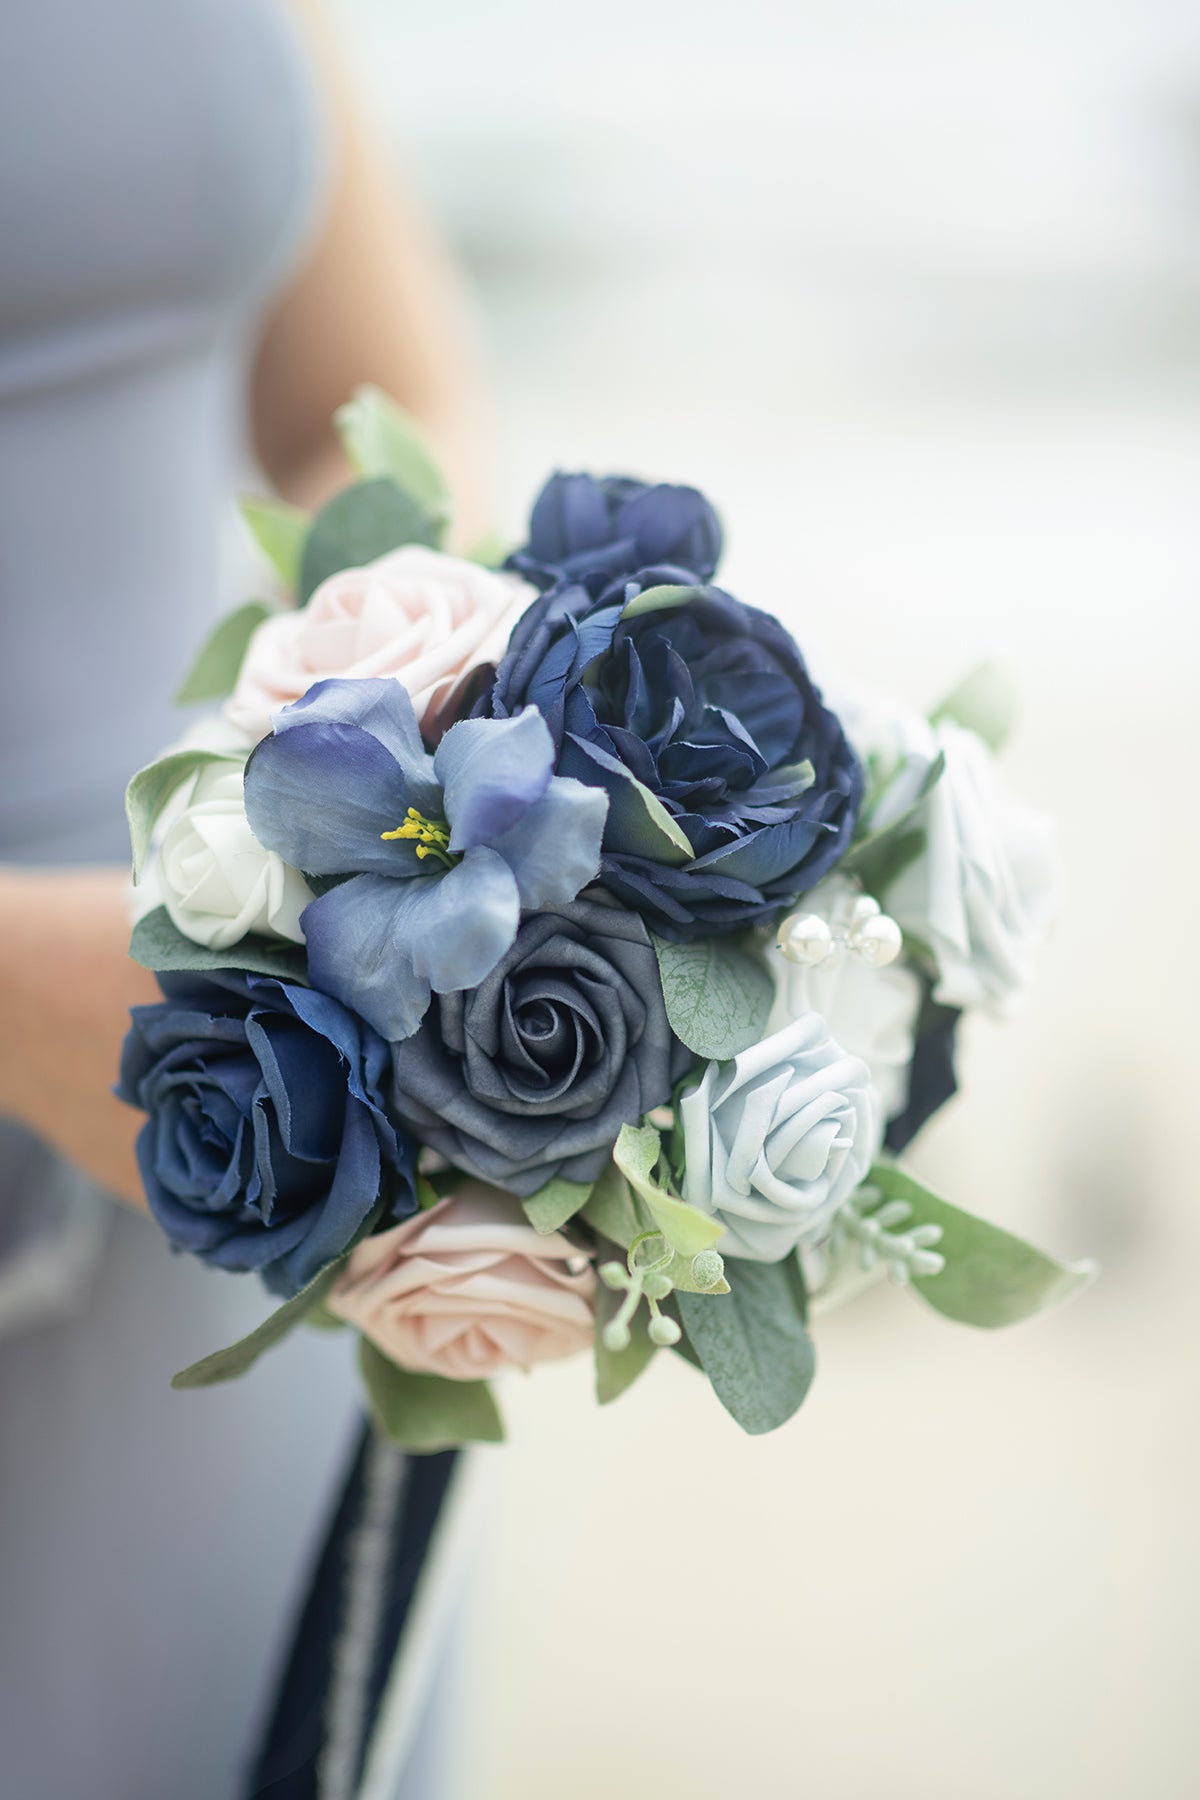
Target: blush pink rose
426 618
468 1288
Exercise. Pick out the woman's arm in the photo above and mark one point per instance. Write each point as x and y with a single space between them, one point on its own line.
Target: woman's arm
377 300
67 986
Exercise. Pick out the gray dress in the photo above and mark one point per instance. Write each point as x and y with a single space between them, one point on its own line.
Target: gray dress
161 162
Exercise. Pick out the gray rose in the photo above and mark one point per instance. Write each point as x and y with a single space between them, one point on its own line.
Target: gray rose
776 1140
532 1074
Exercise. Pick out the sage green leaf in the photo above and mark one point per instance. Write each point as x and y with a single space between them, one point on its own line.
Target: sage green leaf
427 1412
550 1208
885 852
235 1359
717 995
883 859
991 1278
610 1209
158 944
489 551
686 1229
985 701
752 1344
214 673
638 823
359 524
661 599
380 438
619 1215
151 788
279 531
617 1370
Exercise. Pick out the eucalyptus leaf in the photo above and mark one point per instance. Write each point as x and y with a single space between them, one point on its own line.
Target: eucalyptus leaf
610 1209
753 1344
617 1214
150 789
665 598
235 1359
886 852
279 531
427 1412
686 1229
381 439
362 523
489 551
214 673
717 995
550 1208
617 1370
991 1278
638 823
158 944
985 701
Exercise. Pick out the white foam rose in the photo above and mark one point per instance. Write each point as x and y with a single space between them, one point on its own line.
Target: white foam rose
468 1288
986 887
215 879
417 614
776 1140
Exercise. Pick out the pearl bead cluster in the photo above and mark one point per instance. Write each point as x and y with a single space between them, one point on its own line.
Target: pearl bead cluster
868 934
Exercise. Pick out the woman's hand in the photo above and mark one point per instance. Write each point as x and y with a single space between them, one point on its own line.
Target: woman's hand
66 986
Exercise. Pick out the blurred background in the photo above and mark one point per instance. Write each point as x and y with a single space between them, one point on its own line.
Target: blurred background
914 294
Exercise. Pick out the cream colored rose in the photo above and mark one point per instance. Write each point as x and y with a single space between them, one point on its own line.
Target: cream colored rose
468 1288
423 617
215 879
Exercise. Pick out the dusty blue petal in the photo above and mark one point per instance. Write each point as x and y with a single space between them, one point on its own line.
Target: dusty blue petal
378 705
321 795
554 851
491 772
381 946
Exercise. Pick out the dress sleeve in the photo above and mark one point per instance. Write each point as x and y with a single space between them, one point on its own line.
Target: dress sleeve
53 1224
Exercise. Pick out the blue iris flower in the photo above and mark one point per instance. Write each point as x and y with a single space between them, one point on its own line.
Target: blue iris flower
442 852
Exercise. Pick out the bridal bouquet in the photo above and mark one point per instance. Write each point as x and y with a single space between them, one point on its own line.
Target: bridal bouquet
547 964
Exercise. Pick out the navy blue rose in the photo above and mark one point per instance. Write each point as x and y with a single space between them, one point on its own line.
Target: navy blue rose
732 788
267 1143
590 530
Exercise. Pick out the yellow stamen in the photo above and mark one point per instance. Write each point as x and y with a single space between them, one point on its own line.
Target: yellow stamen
432 836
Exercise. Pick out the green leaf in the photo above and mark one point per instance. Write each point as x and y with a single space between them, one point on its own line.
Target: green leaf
279 531
638 823
882 855
985 701
686 1229
380 438
235 1359
617 1370
214 673
991 1278
361 523
753 1345
489 551
158 944
610 1209
661 599
717 995
427 1412
550 1208
151 788
619 1216
881 860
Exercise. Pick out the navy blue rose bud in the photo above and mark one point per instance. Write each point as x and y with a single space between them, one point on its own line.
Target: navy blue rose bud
732 787
267 1143
595 530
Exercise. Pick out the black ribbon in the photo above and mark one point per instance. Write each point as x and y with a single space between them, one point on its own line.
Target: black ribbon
285 1765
